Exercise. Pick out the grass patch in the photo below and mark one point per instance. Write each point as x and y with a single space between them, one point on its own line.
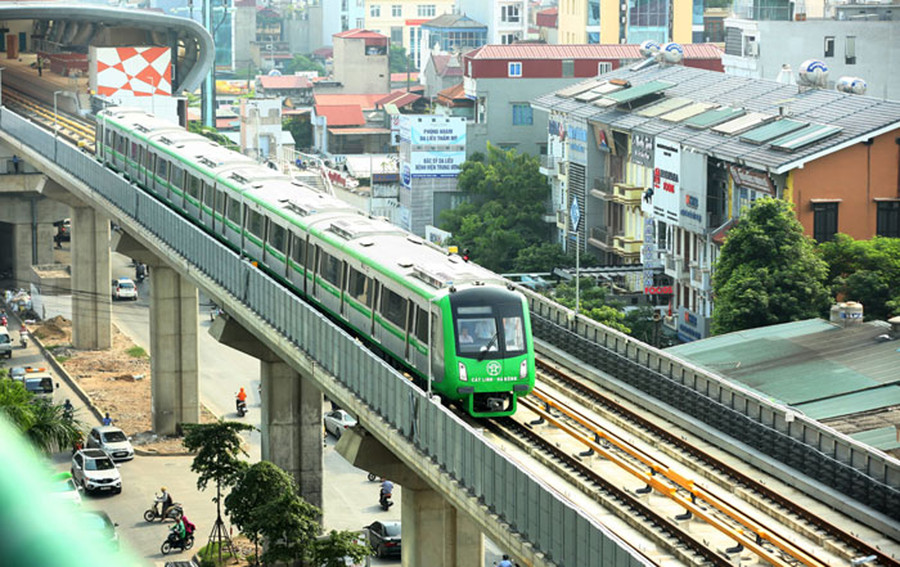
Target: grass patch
209 555
62 359
54 348
137 352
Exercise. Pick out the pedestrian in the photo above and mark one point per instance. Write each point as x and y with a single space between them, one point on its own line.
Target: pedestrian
40 67
505 562
16 161
107 420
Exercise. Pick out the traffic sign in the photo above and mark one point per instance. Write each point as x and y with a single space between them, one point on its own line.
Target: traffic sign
574 214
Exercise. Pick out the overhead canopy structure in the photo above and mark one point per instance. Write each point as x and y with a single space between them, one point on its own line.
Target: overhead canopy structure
75 27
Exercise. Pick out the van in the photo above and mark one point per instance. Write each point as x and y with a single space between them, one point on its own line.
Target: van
6 345
40 384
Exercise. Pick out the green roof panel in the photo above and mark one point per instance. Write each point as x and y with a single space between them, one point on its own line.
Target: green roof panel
804 137
771 131
634 93
713 117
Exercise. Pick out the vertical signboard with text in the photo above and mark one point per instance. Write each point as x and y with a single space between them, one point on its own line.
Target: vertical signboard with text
666 180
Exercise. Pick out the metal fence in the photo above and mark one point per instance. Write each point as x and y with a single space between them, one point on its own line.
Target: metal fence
564 534
836 460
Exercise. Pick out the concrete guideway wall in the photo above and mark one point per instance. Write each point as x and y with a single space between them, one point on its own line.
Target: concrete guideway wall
513 507
825 456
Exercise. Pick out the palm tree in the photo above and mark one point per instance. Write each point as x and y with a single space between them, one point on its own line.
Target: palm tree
43 423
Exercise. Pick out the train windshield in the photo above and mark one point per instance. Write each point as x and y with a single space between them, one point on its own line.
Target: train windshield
490 331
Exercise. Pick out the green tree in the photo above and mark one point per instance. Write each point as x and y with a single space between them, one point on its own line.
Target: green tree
290 529
866 271
263 482
507 198
593 302
43 423
331 551
303 63
399 62
218 447
768 271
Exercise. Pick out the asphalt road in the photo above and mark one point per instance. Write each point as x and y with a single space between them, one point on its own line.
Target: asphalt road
350 500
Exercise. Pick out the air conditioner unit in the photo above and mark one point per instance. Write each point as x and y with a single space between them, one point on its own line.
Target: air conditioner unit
753 49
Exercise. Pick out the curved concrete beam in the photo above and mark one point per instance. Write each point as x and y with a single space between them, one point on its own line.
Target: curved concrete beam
190 31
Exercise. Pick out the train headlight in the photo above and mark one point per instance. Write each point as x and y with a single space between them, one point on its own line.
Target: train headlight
523 370
463 375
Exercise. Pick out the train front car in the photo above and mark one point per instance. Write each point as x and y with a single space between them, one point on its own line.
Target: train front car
489 349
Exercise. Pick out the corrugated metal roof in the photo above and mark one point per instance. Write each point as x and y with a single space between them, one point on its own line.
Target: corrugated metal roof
341 115
805 136
859 117
521 51
656 109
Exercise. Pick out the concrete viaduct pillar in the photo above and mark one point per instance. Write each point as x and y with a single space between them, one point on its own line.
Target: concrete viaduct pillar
291 411
174 351
434 532
91 290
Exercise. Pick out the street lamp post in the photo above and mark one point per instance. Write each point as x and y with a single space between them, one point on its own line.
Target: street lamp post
1 85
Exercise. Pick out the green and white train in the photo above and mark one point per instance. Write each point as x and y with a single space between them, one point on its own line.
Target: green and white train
404 296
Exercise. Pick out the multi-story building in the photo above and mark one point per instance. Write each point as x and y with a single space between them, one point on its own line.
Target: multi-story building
545 21
854 40
502 80
660 161
628 21
451 33
401 21
362 62
507 20
442 70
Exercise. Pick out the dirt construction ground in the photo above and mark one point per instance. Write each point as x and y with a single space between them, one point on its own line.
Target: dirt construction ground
116 380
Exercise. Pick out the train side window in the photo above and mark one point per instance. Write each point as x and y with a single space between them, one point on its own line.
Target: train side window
134 150
298 251
177 178
209 199
393 307
330 268
277 237
359 286
422 325
234 210
220 201
193 187
109 138
120 145
256 223
162 169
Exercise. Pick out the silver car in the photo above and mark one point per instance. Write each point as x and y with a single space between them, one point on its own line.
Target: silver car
336 421
112 440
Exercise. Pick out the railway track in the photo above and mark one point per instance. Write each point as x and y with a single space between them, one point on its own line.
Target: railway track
77 130
696 507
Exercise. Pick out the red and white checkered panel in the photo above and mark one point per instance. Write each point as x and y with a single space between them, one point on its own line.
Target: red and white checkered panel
138 71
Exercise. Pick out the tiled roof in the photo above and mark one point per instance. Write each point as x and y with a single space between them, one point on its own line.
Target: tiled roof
454 92
398 99
326 52
359 33
364 101
446 65
547 18
285 82
401 77
341 115
521 51
858 117
457 21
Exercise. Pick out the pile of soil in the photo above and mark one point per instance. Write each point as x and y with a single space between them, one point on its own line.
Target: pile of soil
116 380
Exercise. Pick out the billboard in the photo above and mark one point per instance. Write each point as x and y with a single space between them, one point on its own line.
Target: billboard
436 164
666 175
432 130
692 213
127 72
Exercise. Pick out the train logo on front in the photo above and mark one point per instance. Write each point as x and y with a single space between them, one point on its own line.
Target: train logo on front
494 368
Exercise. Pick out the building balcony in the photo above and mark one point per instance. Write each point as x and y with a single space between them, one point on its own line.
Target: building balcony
676 268
602 187
626 246
549 165
700 277
626 194
602 238
561 219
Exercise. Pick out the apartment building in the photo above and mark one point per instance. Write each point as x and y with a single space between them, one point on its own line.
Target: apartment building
628 21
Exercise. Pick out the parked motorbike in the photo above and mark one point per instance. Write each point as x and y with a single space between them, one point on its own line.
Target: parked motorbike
384 499
241 407
174 541
175 512
372 477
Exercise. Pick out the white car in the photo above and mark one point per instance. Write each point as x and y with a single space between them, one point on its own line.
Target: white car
124 288
112 440
95 471
337 421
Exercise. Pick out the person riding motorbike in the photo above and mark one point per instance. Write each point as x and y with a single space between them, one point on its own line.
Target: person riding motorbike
387 488
68 410
180 529
165 500
23 335
241 402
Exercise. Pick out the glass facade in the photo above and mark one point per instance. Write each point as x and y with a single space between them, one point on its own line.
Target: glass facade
648 19
456 39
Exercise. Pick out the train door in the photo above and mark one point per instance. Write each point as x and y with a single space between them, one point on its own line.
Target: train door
343 290
219 214
376 294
